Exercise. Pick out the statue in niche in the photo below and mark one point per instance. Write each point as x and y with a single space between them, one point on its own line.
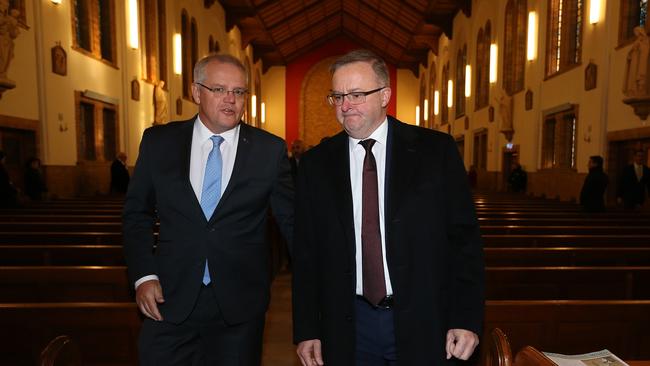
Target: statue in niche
179 106
135 89
529 99
591 76
160 103
59 60
8 32
634 84
504 101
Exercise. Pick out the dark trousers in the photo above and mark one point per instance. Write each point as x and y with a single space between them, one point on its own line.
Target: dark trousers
203 339
375 336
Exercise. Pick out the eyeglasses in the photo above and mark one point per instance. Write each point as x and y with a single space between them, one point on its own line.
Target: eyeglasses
220 91
353 97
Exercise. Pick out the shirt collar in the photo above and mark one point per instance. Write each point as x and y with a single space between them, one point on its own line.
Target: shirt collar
204 134
380 134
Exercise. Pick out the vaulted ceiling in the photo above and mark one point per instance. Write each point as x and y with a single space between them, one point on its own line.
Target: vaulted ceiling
401 31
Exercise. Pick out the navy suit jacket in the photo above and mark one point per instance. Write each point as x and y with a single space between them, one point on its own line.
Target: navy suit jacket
233 240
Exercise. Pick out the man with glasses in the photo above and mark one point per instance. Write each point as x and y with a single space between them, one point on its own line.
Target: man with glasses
388 265
209 181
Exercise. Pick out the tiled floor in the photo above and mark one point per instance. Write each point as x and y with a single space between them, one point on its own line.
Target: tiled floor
278 347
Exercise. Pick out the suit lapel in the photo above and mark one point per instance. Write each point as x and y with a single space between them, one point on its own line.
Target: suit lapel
340 169
238 171
401 164
185 140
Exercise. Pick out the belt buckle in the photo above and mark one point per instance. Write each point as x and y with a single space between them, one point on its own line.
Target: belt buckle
385 303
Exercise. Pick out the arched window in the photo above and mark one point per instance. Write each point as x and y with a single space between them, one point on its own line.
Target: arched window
633 14
514 61
444 109
483 41
155 46
564 35
93 25
258 93
186 54
423 96
461 61
432 94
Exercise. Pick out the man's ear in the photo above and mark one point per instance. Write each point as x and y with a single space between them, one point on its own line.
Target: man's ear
195 93
385 96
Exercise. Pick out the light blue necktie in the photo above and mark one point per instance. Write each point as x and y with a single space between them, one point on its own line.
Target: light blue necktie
211 192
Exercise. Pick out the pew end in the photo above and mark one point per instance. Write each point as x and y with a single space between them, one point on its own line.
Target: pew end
530 356
61 351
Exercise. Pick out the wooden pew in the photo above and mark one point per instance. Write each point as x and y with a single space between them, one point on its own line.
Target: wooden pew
566 240
61 255
110 283
573 326
564 220
107 333
64 283
561 229
43 217
566 256
112 255
65 226
572 283
60 237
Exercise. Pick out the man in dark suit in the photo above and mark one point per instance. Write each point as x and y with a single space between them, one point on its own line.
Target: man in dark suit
119 174
633 182
210 181
297 149
388 263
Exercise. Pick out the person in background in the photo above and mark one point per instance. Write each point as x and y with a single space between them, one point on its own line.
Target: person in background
517 179
8 193
593 189
119 174
34 182
297 149
634 182
472 176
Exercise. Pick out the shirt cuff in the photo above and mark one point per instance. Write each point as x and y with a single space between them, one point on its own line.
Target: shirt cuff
145 279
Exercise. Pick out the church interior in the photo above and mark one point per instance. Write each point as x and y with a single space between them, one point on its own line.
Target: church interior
530 90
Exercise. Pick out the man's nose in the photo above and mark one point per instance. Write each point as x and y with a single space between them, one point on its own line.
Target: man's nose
346 105
229 97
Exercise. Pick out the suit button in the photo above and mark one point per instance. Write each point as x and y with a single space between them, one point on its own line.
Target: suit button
348 318
212 229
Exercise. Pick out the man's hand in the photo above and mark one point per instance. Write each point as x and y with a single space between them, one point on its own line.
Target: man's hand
461 343
148 295
310 353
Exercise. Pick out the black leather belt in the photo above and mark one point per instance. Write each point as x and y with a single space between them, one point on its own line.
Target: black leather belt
386 303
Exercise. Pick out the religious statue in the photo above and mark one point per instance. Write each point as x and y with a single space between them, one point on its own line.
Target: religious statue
8 32
160 103
634 84
504 101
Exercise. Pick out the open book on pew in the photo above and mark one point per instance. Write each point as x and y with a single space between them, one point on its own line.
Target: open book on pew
600 358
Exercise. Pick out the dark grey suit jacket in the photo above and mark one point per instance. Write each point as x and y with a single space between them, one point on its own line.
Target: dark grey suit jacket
433 247
234 239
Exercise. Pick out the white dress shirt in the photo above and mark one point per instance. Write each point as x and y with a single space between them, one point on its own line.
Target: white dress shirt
357 154
638 170
201 147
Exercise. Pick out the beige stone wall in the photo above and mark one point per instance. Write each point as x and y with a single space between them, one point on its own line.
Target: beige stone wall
601 110
274 95
49 98
317 118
